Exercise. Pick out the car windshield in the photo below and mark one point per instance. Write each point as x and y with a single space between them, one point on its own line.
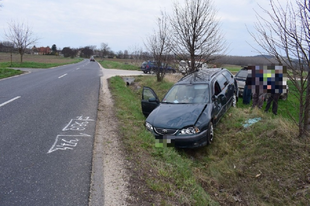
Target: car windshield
242 74
188 94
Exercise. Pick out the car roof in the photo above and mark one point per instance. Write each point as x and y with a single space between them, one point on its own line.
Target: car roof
201 76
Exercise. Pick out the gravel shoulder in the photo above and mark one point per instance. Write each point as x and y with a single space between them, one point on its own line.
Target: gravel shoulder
110 170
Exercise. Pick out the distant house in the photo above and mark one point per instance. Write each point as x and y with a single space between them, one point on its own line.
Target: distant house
41 50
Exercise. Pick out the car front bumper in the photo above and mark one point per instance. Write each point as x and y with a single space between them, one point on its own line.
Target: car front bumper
185 141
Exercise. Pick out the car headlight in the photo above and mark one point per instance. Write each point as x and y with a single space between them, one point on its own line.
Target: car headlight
148 126
190 130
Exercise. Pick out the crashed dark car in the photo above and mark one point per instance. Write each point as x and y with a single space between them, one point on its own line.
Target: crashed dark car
186 116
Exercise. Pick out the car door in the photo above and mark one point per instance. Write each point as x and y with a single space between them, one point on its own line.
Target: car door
217 103
149 101
222 93
230 89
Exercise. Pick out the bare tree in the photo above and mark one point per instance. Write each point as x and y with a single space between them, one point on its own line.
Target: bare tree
286 36
105 49
126 54
120 54
21 36
159 46
68 52
87 52
196 32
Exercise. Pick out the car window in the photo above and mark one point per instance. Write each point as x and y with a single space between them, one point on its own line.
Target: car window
147 94
217 88
222 81
191 93
227 74
242 74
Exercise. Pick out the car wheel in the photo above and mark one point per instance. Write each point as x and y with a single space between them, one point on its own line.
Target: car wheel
144 72
210 133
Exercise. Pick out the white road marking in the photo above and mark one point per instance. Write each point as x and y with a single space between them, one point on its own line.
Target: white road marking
9 101
62 76
64 142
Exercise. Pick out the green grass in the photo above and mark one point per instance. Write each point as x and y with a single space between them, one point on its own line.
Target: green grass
4 73
107 64
264 164
233 69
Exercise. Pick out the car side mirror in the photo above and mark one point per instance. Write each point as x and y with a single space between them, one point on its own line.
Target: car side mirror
214 98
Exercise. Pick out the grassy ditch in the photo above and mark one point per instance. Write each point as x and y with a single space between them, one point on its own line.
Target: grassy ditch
263 164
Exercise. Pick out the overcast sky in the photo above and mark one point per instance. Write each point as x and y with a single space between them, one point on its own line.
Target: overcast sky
122 24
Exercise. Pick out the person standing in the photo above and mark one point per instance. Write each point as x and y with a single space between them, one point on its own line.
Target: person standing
258 94
276 90
274 97
247 92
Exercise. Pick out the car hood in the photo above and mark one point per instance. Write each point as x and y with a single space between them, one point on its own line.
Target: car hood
175 116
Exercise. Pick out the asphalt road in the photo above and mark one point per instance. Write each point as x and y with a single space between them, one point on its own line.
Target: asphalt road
47 127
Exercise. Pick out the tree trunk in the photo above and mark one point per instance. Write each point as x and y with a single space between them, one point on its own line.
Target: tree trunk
21 52
307 108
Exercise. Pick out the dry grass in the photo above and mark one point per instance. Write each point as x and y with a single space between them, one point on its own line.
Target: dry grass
173 77
6 57
133 62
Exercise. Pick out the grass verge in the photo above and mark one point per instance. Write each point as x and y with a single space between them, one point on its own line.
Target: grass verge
4 73
264 164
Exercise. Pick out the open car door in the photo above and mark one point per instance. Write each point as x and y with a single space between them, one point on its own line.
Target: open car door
149 101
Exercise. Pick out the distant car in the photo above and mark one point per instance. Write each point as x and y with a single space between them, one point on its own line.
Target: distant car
147 67
143 65
92 59
152 67
241 78
192 107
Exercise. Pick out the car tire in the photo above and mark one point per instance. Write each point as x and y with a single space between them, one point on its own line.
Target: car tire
210 133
